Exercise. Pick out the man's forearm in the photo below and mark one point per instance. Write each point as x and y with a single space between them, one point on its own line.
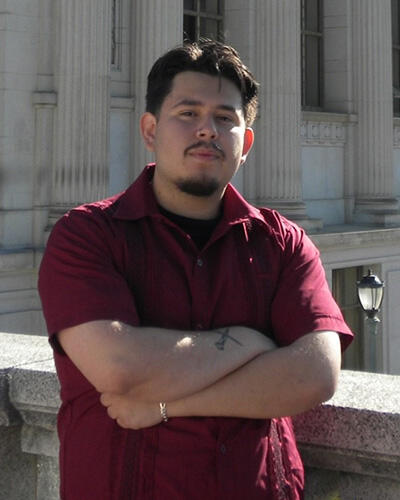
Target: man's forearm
282 382
194 361
154 363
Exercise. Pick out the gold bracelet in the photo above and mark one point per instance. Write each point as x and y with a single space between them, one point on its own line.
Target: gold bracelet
163 411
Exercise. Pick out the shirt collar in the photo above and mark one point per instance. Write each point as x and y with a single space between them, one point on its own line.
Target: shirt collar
138 201
236 209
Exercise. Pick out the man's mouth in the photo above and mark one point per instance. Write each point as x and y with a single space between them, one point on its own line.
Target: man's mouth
206 152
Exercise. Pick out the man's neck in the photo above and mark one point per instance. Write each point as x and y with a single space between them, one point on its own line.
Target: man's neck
199 230
190 206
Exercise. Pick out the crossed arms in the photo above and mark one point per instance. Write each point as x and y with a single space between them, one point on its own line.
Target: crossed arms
231 372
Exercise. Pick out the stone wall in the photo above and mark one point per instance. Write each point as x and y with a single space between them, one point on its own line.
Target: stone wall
350 445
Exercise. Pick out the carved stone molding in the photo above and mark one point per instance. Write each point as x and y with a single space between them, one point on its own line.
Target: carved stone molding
325 128
323 134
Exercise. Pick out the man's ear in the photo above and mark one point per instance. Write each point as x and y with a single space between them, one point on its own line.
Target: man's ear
148 125
247 143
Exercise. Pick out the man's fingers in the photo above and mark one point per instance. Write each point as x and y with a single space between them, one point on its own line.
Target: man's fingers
105 399
121 423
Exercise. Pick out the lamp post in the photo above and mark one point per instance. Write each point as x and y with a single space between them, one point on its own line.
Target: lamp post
370 295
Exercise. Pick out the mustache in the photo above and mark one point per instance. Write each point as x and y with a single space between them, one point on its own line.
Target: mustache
206 145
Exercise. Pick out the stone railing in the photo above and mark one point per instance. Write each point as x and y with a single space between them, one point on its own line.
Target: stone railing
350 445
29 403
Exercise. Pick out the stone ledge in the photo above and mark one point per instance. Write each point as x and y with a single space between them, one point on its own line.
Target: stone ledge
350 441
19 354
366 464
358 430
19 350
352 237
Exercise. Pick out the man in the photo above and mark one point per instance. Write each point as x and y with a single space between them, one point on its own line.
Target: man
165 306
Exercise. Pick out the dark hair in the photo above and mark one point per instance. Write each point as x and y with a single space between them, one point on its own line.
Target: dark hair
205 56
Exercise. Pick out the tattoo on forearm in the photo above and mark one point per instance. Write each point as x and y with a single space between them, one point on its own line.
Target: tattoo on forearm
224 336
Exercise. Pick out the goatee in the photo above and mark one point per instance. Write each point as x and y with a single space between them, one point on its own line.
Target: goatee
200 188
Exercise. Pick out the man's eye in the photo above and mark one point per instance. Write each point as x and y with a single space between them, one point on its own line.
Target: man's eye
224 118
187 113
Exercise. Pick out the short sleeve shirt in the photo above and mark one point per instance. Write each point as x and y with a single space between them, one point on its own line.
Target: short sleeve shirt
121 259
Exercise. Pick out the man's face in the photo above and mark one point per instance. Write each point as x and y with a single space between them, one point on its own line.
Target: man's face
199 137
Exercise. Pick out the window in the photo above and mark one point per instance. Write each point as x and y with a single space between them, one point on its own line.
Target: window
203 18
116 42
344 289
396 56
311 53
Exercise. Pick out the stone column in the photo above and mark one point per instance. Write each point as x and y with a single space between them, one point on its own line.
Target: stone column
158 26
44 101
374 175
276 179
80 162
45 104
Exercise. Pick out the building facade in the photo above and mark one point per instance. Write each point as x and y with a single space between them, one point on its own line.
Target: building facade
327 152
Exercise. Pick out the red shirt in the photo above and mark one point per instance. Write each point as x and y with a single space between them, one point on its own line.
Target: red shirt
121 259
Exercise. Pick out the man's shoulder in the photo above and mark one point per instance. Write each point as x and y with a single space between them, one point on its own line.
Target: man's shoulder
284 234
100 208
277 223
90 219
266 218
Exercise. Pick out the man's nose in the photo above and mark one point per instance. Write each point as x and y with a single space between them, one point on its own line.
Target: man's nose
207 129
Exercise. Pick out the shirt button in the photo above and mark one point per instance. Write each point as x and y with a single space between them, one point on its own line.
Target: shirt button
200 262
222 449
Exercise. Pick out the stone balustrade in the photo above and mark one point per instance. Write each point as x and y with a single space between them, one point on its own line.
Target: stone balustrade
350 445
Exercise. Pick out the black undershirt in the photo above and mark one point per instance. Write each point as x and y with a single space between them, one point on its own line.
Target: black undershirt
199 230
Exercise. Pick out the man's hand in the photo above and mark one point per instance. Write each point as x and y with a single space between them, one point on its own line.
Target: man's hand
130 413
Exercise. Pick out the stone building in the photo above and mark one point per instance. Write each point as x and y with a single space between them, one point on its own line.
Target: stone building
327 153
